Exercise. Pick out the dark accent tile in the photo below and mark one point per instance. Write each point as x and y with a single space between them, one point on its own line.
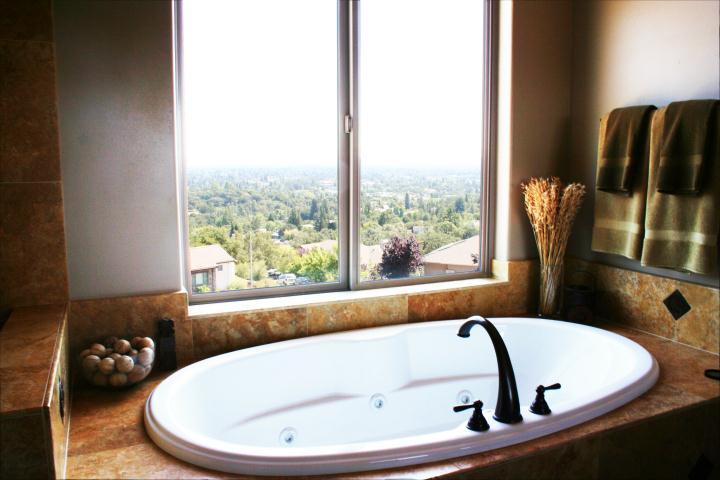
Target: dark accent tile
676 304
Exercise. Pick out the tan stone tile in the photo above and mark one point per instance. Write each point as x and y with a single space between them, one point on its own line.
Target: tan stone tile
94 320
676 443
27 347
22 447
700 327
440 306
574 460
224 333
33 270
29 146
119 421
60 423
335 317
26 20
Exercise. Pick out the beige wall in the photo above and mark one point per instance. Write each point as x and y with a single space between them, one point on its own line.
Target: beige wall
115 89
534 110
632 53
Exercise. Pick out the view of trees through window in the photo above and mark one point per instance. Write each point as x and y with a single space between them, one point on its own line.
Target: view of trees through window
284 221
260 141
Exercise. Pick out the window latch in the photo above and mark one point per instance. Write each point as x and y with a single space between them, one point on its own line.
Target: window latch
348 124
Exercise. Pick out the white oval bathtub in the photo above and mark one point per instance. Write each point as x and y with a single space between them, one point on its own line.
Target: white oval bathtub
383 397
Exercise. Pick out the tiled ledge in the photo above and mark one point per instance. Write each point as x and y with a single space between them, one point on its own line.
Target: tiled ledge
640 436
635 299
219 328
317 299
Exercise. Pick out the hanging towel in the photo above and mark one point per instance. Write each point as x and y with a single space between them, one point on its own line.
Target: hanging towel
619 218
623 147
681 231
684 146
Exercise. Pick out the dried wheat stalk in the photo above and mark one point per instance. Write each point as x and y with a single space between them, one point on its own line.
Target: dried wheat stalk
551 210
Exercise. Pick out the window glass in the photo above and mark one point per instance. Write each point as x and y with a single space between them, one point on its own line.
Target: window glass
420 137
259 114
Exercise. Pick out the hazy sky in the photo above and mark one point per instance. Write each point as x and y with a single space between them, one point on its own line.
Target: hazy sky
260 82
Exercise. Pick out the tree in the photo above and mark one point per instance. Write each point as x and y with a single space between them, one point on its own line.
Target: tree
318 265
313 209
294 218
460 205
407 201
400 258
321 217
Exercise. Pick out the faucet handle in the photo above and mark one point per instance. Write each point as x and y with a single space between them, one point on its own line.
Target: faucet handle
540 406
554 386
477 422
476 404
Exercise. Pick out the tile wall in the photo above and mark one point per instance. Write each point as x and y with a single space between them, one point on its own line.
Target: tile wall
33 267
635 299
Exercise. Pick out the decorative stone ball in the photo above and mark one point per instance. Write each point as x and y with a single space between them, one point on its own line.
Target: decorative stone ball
100 379
122 346
124 364
118 379
137 373
90 364
110 341
97 349
146 356
134 342
146 342
108 352
132 353
85 353
115 356
107 365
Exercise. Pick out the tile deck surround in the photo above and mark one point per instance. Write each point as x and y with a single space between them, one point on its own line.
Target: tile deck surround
108 439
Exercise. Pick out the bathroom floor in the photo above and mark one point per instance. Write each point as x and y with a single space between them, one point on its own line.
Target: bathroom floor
108 439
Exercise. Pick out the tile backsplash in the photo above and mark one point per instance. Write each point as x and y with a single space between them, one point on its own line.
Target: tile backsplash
636 300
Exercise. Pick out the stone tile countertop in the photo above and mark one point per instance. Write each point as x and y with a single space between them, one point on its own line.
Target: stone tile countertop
108 439
28 349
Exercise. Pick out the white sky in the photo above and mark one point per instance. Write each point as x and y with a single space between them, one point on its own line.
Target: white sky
260 83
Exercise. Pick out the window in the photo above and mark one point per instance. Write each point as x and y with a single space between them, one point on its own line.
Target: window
334 145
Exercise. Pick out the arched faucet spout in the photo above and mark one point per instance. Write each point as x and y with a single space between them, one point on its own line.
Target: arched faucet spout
507 408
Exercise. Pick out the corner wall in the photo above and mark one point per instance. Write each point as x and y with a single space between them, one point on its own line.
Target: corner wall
115 86
535 81
634 53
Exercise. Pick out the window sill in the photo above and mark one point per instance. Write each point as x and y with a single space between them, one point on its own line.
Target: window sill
298 301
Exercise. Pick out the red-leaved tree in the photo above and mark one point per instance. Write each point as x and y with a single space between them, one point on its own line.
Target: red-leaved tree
400 258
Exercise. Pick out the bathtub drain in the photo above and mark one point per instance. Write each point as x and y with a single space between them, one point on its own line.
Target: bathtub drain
288 436
465 397
377 401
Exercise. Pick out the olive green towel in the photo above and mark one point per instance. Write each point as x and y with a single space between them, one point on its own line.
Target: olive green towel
685 143
623 148
681 231
619 218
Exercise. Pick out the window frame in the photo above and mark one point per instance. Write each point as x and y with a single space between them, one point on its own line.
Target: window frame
348 168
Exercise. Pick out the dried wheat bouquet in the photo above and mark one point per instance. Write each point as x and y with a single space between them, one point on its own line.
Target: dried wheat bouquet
551 209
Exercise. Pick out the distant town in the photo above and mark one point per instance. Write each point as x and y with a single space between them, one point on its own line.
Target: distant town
257 228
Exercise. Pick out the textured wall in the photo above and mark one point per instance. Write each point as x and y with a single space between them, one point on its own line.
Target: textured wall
33 268
115 85
634 53
534 110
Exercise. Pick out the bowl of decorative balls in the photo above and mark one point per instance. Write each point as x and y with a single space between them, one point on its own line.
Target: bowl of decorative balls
117 362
